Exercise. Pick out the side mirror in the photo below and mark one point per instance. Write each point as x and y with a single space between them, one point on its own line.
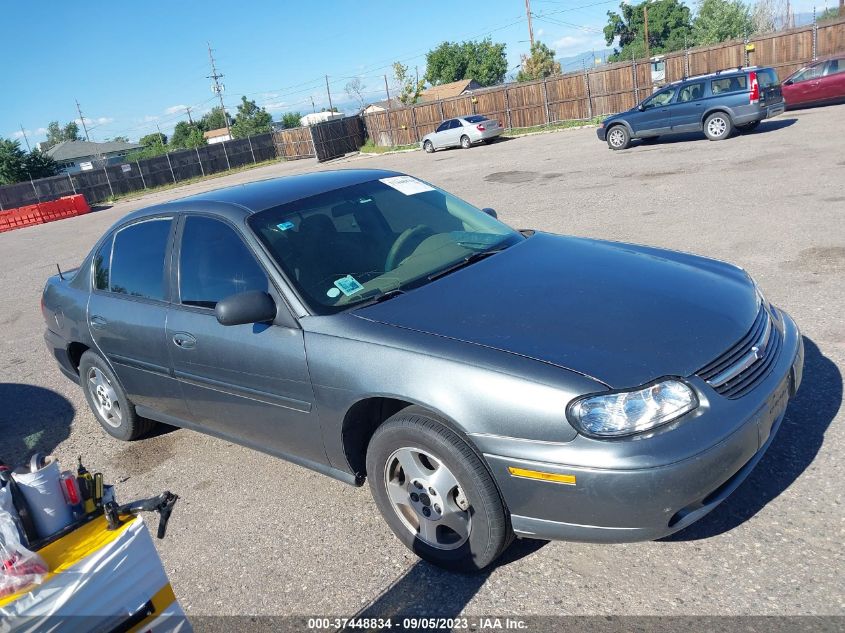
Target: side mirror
788 82
491 212
254 306
641 107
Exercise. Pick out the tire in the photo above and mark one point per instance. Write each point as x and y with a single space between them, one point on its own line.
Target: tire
425 478
618 137
718 126
108 401
748 127
428 146
465 142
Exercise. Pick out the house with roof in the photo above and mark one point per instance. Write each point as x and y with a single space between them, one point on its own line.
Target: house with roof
217 136
452 89
76 156
383 106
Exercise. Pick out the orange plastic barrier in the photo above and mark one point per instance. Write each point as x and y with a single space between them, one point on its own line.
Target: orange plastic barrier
64 207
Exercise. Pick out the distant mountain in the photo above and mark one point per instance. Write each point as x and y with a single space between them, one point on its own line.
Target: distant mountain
587 58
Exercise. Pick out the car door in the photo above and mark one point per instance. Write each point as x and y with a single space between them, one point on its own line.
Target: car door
127 312
250 382
806 85
832 82
440 135
688 109
654 117
452 136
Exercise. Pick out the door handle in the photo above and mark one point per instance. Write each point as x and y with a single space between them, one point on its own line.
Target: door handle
184 340
98 322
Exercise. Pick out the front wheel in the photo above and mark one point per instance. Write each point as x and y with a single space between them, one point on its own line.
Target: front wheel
436 494
428 146
718 126
465 142
618 137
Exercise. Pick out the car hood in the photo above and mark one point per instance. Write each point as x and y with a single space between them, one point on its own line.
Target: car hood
619 313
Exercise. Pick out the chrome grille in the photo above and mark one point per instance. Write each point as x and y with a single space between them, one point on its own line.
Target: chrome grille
746 364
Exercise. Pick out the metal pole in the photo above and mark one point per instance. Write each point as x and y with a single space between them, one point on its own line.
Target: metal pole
546 101
34 189
251 151
82 120
587 87
172 173
226 154
530 27
636 79
329 93
108 180
143 180
815 34
26 140
199 160
71 184
508 110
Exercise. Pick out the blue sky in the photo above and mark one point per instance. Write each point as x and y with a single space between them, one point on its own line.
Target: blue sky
132 65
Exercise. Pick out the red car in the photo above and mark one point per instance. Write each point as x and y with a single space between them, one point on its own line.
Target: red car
819 83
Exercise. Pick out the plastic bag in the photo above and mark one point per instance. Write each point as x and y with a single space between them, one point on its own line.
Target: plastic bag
19 567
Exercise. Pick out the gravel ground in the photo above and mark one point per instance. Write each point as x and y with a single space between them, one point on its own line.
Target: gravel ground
254 535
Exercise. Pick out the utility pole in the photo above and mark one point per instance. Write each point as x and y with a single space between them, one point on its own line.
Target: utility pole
188 110
842 8
329 93
387 90
26 140
218 88
645 21
82 120
417 71
530 27
313 107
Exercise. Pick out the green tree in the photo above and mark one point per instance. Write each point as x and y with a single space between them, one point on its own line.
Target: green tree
17 165
250 120
57 134
541 63
214 120
669 28
291 120
122 139
483 61
409 88
186 135
156 138
721 20
828 14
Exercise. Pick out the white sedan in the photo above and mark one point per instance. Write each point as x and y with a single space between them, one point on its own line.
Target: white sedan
462 132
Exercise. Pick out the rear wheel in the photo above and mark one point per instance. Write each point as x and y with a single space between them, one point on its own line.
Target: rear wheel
108 401
435 493
748 127
718 126
618 137
428 146
465 142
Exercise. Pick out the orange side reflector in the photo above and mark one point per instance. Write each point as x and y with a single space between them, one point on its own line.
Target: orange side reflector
536 474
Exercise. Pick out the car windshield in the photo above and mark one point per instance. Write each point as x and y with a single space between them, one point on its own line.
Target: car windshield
366 241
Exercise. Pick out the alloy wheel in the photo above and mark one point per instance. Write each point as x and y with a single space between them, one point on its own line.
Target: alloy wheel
427 498
616 137
717 126
104 397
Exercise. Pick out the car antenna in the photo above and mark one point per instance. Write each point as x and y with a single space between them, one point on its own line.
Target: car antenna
60 272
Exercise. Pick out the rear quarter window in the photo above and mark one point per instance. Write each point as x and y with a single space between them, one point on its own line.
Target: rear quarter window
727 85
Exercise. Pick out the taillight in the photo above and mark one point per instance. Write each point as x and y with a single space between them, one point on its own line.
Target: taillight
479 127
755 87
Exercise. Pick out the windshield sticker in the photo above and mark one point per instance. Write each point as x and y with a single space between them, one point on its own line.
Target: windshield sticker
406 184
349 285
284 226
332 293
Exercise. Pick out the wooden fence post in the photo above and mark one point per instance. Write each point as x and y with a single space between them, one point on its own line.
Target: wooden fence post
546 101
508 110
587 87
414 120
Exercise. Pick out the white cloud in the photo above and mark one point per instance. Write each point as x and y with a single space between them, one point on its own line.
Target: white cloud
540 33
150 118
275 105
103 120
19 133
41 130
176 108
575 44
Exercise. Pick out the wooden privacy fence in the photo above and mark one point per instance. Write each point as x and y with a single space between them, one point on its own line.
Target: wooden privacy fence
326 140
604 90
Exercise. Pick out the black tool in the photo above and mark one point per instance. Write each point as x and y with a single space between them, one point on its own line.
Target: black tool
86 487
163 504
98 489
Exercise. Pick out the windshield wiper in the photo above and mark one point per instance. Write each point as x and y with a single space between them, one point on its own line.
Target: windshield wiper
466 261
384 296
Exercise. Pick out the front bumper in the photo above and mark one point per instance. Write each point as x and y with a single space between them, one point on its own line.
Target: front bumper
601 132
631 502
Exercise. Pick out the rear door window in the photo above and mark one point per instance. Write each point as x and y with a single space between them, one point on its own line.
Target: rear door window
214 263
727 85
137 259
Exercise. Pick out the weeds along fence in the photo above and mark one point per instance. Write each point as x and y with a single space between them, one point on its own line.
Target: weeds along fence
605 90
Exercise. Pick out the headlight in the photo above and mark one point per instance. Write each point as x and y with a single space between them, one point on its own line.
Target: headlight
628 412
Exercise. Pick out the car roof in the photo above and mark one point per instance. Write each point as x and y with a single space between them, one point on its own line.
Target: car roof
259 195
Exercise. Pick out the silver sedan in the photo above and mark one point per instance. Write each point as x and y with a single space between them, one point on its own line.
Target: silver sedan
462 132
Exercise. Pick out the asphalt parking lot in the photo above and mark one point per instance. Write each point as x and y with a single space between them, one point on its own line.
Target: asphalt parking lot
255 535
